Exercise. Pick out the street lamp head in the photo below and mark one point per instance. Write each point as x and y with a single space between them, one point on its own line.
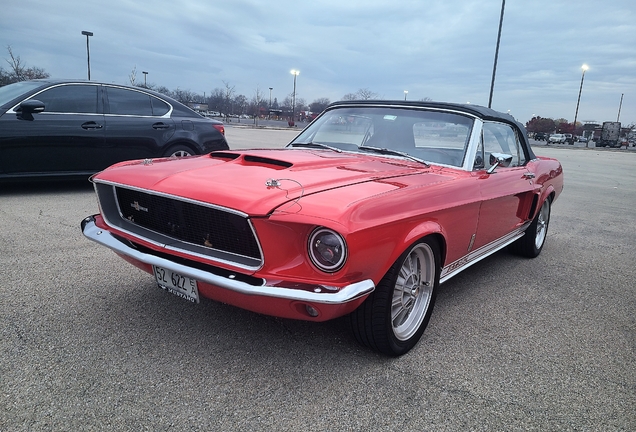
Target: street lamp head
584 67
87 33
295 72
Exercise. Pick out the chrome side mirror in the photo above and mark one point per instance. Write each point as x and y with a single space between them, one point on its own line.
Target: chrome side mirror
497 160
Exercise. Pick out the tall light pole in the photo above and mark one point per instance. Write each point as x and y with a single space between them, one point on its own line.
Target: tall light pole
494 66
269 108
576 114
145 75
295 73
405 93
620 105
88 52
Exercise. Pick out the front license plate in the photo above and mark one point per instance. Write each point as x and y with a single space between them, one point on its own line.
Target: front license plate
177 284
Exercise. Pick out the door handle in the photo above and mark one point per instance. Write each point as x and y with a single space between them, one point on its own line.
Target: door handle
91 125
160 126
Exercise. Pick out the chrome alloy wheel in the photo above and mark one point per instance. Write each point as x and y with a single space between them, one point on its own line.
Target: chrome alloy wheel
542 224
413 291
180 153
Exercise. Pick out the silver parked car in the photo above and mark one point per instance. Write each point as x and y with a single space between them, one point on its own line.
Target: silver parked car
557 138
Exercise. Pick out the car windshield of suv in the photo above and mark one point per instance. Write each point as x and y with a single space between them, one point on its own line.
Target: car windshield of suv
431 136
11 91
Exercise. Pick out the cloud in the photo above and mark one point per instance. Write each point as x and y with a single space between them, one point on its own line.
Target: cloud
439 49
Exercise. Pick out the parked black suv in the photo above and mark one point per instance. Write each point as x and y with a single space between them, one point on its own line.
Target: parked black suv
62 128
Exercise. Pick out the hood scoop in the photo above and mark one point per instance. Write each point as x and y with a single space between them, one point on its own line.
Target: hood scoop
252 160
223 155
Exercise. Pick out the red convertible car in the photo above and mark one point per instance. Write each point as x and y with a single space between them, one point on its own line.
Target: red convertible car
364 214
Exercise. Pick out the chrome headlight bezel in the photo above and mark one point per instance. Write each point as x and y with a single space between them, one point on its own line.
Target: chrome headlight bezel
324 241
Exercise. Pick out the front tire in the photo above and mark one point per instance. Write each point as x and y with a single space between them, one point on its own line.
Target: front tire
393 318
531 244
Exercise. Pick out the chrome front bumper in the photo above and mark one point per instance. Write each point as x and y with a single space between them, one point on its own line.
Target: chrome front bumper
321 294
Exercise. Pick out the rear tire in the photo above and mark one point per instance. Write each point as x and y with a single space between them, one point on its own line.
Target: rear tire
531 244
392 319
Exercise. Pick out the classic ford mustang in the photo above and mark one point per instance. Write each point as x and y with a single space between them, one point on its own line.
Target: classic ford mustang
364 213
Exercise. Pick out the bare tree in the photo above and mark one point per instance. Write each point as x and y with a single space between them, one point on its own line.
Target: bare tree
185 96
319 105
301 104
239 104
256 103
216 101
228 95
361 94
258 97
18 71
133 76
366 94
287 103
16 65
162 89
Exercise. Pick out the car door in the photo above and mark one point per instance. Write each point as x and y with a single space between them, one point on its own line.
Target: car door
64 138
506 193
138 124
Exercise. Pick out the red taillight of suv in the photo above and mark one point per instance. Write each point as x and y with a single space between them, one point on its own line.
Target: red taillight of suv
220 128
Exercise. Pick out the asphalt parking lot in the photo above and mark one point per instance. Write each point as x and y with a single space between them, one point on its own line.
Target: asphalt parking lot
89 342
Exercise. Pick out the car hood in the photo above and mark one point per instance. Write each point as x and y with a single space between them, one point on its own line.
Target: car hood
258 181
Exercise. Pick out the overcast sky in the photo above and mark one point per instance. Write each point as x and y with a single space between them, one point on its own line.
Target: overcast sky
438 49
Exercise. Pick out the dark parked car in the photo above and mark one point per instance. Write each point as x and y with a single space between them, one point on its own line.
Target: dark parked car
62 128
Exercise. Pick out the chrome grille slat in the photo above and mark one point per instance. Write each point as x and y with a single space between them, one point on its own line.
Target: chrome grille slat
188 222
197 229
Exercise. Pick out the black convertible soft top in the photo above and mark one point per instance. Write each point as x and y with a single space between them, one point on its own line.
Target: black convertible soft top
475 110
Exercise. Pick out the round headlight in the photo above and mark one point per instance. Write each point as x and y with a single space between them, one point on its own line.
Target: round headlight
327 249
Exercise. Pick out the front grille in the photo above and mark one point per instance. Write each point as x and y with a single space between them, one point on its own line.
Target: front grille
189 222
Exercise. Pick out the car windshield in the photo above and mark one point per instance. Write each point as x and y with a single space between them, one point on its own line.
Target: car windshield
432 136
11 91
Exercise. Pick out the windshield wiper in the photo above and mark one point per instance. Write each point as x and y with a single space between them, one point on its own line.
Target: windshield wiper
387 151
316 145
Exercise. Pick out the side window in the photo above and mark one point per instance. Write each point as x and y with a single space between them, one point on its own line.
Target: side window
69 99
128 102
521 152
502 138
159 107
